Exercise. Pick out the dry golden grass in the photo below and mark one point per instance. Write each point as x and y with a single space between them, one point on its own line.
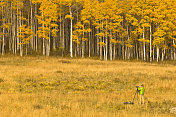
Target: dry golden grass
56 87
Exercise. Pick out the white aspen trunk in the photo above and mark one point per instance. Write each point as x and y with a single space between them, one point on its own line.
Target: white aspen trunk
101 50
14 33
13 28
75 50
171 52
43 42
98 46
153 53
104 52
106 58
80 49
89 43
162 55
17 44
125 52
174 50
83 44
63 39
114 57
123 49
165 57
32 39
60 34
150 42
10 37
144 43
3 31
157 53
0 47
26 49
76 44
144 51
13 36
28 45
49 42
111 47
71 30
47 47
139 51
10 30
3 41
21 43
21 50
94 48
54 40
36 37
77 47
110 51
102 39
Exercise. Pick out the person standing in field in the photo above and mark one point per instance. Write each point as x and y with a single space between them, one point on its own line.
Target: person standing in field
141 90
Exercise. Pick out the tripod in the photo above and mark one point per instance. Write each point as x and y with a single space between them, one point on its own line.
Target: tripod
132 102
136 93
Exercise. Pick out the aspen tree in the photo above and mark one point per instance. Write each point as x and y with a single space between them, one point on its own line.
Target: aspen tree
48 26
3 26
86 17
69 3
77 34
25 34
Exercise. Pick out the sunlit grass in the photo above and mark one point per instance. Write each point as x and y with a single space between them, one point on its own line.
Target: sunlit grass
56 87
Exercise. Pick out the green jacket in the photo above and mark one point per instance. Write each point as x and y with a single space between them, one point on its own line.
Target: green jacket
141 90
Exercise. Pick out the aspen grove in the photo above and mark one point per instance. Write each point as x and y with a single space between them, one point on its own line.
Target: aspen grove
109 29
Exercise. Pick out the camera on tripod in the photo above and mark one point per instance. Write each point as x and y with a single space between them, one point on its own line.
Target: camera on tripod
137 88
136 93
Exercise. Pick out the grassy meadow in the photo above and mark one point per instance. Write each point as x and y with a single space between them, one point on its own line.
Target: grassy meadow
62 87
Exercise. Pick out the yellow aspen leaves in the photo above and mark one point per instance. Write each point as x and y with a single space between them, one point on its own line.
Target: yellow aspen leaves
25 34
69 17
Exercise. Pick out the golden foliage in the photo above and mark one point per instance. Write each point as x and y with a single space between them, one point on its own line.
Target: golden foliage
101 44
113 41
69 17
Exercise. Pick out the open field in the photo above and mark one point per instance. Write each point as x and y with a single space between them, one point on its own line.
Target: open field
56 87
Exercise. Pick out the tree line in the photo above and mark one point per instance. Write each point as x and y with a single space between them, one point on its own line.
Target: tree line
108 29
